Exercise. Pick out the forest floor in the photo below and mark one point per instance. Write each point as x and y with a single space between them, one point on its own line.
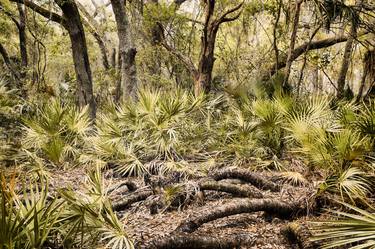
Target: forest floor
145 226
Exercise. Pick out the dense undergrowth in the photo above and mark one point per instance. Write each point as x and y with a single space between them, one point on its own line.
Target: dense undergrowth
173 131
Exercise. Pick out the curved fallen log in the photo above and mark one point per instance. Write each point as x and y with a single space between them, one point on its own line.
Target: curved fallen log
129 184
187 241
236 190
248 176
130 199
270 206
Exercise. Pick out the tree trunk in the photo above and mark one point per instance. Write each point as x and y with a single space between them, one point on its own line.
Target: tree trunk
236 190
132 198
23 38
368 74
187 241
128 73
93 27
203 78
8 63
346 61
292 41
274 207
248 176
73 24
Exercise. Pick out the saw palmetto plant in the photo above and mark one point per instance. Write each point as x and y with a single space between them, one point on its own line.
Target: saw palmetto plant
353 229
88 217
56 132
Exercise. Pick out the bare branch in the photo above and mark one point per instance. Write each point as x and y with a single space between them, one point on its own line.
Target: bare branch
42 11
223 18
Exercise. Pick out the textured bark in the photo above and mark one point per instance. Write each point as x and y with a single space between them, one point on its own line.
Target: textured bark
248 176
293 38
93 28
299 234
203 76
133 198
22 37
270 206
346 62
8 63
73 24
236 190
128 73
187 241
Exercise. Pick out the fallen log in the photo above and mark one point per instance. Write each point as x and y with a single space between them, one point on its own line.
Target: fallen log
130 199
129 184
248 176
270 206
187 241
236 190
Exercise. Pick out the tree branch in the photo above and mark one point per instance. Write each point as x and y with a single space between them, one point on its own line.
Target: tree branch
184 59
325 43
42 11
223 18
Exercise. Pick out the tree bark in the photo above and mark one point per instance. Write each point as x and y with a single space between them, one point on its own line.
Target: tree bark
293 39
94 30
248 176
187 241
8 63
203 76
346 61
236 190
368 73
300 234
128 74
132 198
22 38
270 206
73 24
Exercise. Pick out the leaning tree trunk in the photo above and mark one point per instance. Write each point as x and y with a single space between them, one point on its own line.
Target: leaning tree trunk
8 63
22 38
346 62
81 61
128 73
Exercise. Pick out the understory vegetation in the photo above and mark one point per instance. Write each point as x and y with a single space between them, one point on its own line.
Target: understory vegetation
162 133
187 124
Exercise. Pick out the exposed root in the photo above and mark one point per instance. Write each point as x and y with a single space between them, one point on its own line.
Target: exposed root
248 176
187 241
270 206
299 234
236 190
130 199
